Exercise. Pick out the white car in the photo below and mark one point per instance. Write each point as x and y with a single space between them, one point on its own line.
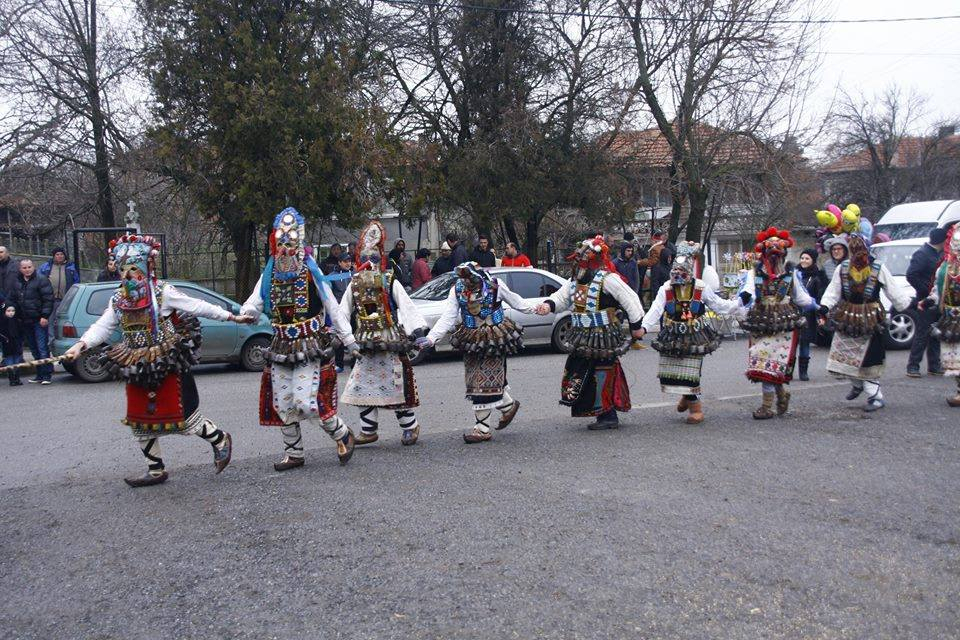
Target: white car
534 285
896 254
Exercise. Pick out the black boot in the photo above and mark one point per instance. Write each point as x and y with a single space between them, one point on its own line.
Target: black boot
608 420
804 366
14 377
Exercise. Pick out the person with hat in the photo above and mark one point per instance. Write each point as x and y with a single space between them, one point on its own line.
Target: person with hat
814 281
946 298
920 275
593 383
851 304
62 275
474 314
443 264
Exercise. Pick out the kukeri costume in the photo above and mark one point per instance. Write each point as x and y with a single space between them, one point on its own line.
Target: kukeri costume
299 383
687 334
858 319
486 336
160 340
774 320
947 329
593 381
384 316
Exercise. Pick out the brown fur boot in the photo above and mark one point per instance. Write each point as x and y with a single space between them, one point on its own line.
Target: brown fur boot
783 399
765 412
696 412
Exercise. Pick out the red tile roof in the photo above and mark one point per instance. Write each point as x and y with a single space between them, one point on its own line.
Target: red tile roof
649 148
908 154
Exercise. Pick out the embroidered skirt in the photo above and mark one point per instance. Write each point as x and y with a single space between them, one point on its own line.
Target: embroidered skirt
382 379
950 358
858 357
162 410
771 358
593 387
291 394
680 374
485 377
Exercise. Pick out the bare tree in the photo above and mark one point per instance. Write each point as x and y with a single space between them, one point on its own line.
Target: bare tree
713 74
61 70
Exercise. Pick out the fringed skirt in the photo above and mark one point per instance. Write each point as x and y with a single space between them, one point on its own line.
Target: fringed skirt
771 358
382 379
593 387
680 374
858 357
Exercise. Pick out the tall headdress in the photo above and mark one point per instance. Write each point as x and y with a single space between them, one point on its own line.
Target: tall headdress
593 253
686 259
137 290
772 245
288 234
372 240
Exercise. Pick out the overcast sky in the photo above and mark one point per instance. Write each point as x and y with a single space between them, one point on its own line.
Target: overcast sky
866 58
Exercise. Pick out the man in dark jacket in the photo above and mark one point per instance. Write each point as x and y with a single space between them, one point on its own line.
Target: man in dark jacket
9 270
920 273
458 252
482 254
627 266
330 263
35 299
444 263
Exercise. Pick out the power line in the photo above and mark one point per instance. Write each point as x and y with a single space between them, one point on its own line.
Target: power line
583 14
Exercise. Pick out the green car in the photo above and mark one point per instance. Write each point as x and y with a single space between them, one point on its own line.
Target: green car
222 341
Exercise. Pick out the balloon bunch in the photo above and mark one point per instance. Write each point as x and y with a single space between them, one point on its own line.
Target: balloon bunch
834 222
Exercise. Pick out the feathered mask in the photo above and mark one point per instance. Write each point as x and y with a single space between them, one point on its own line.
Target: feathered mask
772 246
593 253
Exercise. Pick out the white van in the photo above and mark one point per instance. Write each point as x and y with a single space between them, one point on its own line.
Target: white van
917 219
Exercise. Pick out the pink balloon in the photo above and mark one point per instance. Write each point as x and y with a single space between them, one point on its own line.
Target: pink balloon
835 210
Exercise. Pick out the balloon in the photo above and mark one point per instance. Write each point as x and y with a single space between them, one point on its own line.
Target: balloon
834 209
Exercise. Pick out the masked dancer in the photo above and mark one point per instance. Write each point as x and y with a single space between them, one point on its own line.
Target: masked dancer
593 383
384 316
774 320
687 334
299 384
486 336
160 340
852 306
947 328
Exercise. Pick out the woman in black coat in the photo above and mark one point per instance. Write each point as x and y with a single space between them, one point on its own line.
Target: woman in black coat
814 280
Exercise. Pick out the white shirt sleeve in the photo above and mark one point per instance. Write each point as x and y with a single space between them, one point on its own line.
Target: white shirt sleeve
253 307
720 306
408 314
627 297
99 332
448 318
341 323
800 296
346 303
832 295
514 300
562 298
652 318
175 300
899 295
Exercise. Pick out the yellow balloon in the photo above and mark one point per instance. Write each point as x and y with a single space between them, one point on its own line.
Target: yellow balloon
826 219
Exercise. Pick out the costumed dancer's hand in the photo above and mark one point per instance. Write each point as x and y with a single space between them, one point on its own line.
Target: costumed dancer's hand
354 350
542 309
423 343
745 297
929 302
44 322
241 319
74 351
639 333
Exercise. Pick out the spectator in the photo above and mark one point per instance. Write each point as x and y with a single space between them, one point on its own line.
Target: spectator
339 287
482 254
837 248
330 263
627 266
658 261
421 269
513 258
9 270
402 265
62 275
10 341
444 263
110 273
920 274
458 252
814 280
352 249
35 300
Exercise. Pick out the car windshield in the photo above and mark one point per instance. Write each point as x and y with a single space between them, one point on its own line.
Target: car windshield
906 230
896 257
436 289
97 303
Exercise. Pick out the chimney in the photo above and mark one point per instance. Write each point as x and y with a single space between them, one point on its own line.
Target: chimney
947 131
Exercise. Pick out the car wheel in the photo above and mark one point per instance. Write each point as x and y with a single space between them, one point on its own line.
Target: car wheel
559 336
900 330
89 368
253 356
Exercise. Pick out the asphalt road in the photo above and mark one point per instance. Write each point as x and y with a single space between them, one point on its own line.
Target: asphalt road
828 523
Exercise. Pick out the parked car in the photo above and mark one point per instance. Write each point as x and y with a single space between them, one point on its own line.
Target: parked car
915 220
533 285
222 341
